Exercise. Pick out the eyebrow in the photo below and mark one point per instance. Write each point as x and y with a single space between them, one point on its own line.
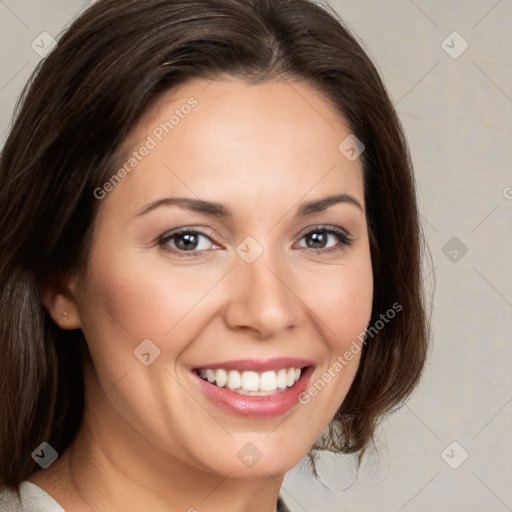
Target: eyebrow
220 210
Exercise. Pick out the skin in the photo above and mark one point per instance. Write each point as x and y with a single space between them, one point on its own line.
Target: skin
150 439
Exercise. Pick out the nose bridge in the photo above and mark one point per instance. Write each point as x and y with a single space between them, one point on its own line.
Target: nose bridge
261 297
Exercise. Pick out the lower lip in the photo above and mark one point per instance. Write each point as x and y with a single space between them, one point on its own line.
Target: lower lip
262 406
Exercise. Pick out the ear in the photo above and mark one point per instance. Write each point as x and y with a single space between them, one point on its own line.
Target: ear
59 298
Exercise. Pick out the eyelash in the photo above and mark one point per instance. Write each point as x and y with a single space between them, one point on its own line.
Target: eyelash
344 240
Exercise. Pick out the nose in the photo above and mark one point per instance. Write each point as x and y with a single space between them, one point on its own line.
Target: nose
262 298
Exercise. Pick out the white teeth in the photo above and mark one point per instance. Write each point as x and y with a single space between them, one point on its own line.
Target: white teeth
268 381
234 380
282 379
290 377
221 378
252 383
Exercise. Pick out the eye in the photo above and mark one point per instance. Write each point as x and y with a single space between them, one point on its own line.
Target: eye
186 240
322 238
191 242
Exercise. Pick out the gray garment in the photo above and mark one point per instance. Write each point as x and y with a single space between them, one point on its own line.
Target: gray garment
30 498
33 499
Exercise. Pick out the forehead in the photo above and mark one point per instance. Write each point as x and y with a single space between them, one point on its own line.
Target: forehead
276 140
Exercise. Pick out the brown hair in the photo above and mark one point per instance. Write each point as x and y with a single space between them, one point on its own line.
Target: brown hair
71 120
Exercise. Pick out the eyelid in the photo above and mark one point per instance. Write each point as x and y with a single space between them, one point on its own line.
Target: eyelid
324 227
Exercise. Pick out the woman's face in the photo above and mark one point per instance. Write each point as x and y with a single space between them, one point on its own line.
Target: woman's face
263 282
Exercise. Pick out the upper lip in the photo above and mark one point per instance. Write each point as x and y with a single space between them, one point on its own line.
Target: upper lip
258 365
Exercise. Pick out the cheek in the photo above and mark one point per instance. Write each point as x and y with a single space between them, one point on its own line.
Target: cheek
342 307
130 300
342 301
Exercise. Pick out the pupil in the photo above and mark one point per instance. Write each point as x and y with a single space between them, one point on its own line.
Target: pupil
318 239
187 241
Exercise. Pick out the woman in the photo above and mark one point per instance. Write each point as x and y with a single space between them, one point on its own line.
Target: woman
210 259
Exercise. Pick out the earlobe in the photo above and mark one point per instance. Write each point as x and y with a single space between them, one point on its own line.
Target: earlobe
59 299
68 321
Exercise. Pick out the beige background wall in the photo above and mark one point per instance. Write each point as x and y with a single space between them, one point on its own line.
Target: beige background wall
456 106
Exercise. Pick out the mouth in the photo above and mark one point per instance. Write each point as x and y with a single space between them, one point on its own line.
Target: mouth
252 383
255 388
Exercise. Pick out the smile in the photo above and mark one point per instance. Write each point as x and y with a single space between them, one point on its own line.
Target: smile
252 383
254 387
